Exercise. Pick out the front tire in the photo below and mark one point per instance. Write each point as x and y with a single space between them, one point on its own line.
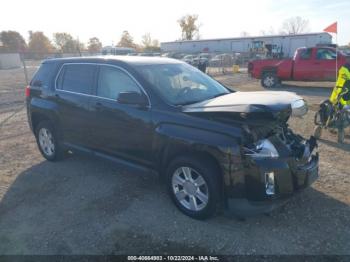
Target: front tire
193 184
269 80
48 141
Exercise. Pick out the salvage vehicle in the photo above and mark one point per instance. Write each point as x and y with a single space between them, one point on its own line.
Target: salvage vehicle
202 58
189 59
216 149
308 64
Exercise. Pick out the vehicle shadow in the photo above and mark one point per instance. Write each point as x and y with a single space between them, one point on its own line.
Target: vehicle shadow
345 146
85 205
323 92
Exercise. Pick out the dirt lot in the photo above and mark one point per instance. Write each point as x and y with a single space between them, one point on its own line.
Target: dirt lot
90 206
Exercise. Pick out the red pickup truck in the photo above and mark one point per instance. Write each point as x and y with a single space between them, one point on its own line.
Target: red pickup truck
308 64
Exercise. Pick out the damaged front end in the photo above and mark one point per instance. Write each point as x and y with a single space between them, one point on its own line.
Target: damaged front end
276 166
275 162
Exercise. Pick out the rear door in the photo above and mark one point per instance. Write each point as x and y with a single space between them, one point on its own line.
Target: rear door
74 87
120 129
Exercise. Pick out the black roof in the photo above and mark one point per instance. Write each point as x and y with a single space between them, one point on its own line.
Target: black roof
132 60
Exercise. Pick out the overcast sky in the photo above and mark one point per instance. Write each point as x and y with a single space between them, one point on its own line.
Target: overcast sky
218 18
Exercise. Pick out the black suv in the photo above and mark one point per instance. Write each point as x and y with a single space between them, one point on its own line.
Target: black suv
217 149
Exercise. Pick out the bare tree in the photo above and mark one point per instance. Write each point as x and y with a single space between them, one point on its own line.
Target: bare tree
295 25
150 44
189 26
66 43
146 40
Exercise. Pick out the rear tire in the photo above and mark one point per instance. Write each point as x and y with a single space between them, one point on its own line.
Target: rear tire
341 135
48 141
318 132
193 185
269 80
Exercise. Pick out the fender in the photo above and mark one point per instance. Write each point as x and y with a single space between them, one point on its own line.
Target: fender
172 139
45 108
268 69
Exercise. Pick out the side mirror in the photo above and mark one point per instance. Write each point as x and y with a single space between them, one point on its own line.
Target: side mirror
132 98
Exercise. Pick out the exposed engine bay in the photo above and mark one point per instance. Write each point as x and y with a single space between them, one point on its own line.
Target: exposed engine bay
263 117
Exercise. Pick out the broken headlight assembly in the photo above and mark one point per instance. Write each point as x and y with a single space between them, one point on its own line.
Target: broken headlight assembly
261 149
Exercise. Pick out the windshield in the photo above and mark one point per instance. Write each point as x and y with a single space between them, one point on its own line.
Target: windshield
181 84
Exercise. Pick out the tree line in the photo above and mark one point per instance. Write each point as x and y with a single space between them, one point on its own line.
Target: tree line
38 42
13 41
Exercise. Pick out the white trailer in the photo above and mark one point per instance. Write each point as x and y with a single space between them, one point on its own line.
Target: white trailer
287 43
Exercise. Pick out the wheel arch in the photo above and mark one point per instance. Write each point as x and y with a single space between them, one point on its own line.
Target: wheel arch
268 69
42 110
38 117
174 152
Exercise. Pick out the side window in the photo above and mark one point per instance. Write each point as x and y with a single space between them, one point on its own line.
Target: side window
306 54
325 54
76 78
112 81
44 75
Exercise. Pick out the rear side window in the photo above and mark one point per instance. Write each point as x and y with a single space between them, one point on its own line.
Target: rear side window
77 78
306 54
44 75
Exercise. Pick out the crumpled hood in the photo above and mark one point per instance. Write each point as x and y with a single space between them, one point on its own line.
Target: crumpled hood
250 102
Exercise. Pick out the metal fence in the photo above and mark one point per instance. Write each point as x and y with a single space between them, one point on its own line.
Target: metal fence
227 64
210 63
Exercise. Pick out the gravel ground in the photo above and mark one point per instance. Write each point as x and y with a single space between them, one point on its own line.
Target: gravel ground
86 205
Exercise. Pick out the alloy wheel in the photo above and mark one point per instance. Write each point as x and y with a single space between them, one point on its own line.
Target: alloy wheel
269 81
46 141
190 188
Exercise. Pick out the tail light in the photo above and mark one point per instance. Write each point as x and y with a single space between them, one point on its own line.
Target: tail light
27 91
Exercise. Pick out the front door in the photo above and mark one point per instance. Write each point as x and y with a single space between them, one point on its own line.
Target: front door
119 129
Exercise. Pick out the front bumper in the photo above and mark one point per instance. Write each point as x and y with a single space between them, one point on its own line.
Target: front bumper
291 176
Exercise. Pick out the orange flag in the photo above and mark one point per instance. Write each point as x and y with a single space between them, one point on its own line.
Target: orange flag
333 28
